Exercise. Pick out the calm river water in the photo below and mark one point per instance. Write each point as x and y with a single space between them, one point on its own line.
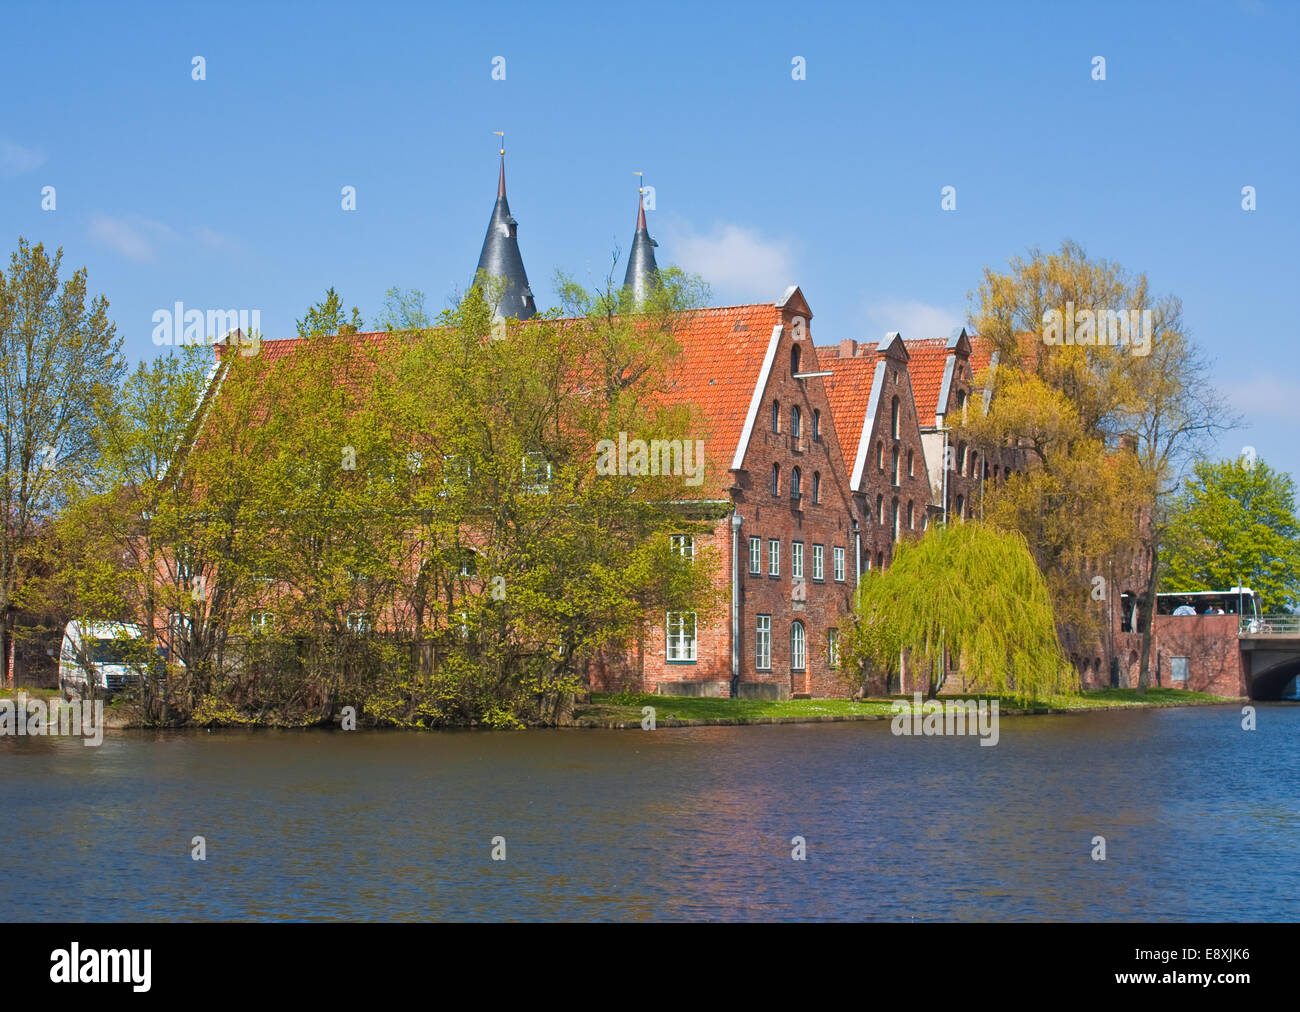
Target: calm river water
1201 820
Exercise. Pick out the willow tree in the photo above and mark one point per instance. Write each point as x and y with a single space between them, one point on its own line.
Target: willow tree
966 593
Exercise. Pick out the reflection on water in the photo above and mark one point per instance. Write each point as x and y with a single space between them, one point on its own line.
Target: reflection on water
1201 820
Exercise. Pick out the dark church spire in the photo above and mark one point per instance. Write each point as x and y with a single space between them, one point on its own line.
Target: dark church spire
642 271
500 257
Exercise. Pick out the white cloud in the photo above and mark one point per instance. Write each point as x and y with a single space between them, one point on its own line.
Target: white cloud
218 241
16 159
134 238
910 318
734 259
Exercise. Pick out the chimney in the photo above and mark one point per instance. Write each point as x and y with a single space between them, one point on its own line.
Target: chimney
848 348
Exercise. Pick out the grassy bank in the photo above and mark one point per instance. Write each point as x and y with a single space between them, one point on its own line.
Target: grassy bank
618 709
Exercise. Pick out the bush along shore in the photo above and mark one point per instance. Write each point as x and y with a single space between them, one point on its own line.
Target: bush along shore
628 710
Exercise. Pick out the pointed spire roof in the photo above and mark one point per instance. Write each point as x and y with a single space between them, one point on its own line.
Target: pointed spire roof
501 258
642 271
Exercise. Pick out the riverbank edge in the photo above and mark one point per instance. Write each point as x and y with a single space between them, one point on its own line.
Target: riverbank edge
122 721
592 723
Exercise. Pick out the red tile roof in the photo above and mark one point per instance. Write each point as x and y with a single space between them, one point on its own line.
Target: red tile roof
929 356
722 352
848 389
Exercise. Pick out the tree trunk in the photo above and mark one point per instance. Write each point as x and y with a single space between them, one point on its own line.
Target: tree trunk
1148 617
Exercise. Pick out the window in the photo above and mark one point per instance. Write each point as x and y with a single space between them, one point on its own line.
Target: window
794 362
961 403
839 565
974 464
776 416
817 425
358 622
819 562
796 560
893 413
911 517
894 520
911 466
880 510
961 506
796 479
880 560
893 466
776 479
961 457
468 565
773 557
798 660
794 422
262 622
880 456
763 643
833 647
1178 669
817 487
683 545
681 636
755 556
536 472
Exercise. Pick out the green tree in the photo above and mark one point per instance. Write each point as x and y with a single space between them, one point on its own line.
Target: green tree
328 317
1235 520
60 359
967 593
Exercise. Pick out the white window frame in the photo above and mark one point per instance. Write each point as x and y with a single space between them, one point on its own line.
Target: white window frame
683 545
798 646
678 647
755 555
763 642
839 564
796 560
773 556
833 647
819 562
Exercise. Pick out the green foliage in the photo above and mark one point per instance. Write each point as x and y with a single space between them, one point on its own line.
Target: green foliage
328 317
972 593
1235 520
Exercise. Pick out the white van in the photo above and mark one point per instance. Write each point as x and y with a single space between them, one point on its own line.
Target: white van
97 653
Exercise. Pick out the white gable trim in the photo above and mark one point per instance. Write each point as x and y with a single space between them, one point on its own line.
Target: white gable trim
868 427
945 390
756 401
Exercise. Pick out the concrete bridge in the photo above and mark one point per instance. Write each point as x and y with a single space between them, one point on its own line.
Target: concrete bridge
1270 654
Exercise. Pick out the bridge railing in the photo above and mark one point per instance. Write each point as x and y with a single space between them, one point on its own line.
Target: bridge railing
1270 625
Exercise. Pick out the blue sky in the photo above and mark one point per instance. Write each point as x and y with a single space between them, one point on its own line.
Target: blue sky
225 192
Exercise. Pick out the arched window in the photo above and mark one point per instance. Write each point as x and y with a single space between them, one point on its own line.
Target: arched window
776 416
817 487
794 421
798 646
880 510
880 560
796 479
893 466
911 466
776 479
961 401
794 360
817 425
961 458
880 456
893 417
974 464
961 504
893 526
911 517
